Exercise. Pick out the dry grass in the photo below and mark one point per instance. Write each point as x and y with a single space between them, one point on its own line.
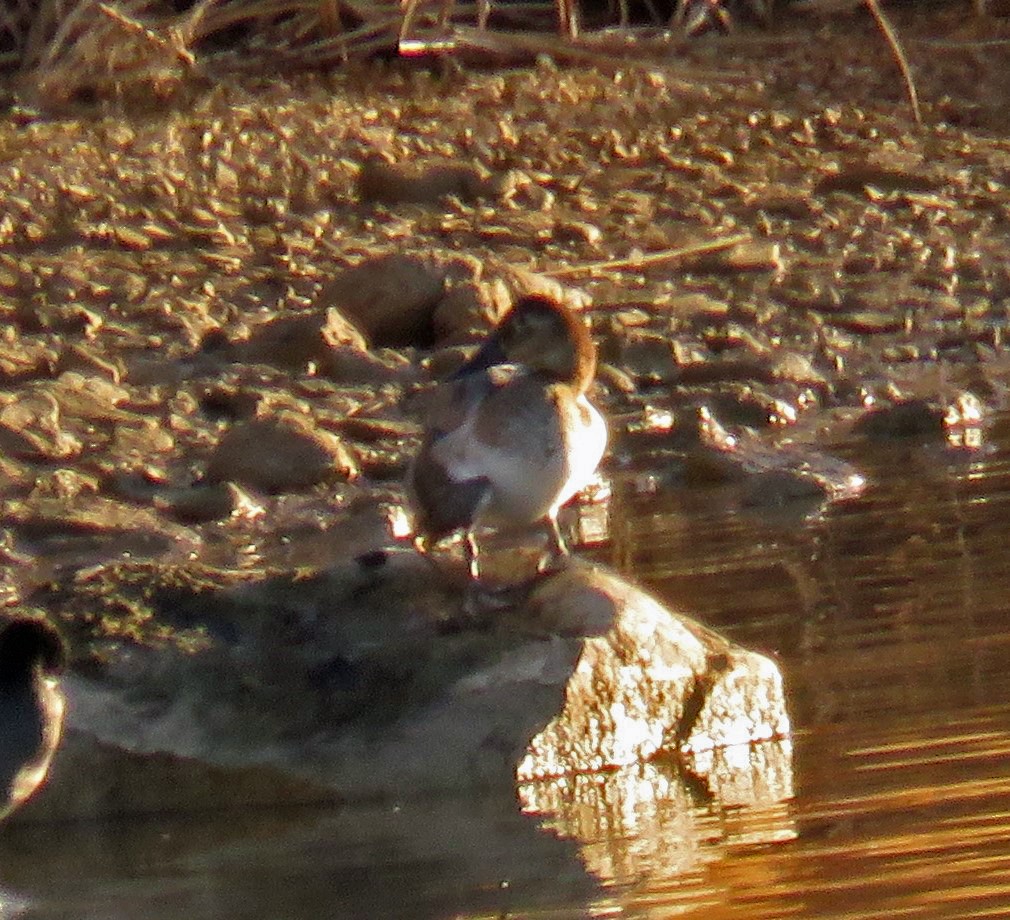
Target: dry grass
74 50
68 51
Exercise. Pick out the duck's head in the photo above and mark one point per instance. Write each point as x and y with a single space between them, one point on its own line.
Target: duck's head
28 644
544 336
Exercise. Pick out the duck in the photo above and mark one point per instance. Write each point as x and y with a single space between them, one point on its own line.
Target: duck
32 705
511 436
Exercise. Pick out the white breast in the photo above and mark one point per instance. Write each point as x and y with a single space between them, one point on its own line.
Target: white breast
586 442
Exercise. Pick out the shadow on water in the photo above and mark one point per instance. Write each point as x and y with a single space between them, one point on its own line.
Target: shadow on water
888 616
410 860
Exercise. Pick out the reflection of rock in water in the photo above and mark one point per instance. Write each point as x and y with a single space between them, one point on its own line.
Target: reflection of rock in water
31 706
746 775
647 821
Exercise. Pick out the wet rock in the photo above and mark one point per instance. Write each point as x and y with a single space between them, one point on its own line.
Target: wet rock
121 783
649 357
913 418
771 474
753 407
646 682
278 454
208 502
87 529
371 680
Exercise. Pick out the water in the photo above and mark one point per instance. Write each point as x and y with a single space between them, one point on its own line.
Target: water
889 616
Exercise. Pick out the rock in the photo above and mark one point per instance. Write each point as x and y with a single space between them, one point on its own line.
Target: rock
699 308
278 454
425 183
349 365
32 428
25 357
469 310
910 418
648 682
207 502
391 298
371 681
118 782
426 299
295 342
773 473
649 357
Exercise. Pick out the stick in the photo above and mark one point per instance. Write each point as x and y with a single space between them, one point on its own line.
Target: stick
651 258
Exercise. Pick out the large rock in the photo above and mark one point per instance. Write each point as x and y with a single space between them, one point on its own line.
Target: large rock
279 454
647 682
371 681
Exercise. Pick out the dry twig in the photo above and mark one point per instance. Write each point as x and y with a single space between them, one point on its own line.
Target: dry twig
651 258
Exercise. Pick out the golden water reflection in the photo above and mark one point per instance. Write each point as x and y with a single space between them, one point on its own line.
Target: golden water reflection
890 617
652 823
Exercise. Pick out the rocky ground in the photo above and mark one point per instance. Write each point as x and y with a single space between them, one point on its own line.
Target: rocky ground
220 319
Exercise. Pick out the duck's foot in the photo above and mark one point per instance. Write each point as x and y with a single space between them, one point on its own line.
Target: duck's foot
553 562
487 598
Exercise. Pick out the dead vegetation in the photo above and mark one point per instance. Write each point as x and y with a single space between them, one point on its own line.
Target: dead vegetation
71 51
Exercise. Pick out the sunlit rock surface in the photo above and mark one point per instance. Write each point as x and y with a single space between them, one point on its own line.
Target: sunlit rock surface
651 681
370 680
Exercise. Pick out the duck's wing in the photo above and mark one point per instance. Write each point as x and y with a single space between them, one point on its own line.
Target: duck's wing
442 504
455 403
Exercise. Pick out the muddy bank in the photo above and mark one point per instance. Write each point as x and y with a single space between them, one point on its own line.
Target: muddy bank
221 320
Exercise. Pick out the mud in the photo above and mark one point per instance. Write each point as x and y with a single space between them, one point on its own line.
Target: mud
189 293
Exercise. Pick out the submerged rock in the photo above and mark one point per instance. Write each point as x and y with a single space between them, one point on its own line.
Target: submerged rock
372 681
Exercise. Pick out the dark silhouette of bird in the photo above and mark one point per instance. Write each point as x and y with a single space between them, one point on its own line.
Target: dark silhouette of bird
32 654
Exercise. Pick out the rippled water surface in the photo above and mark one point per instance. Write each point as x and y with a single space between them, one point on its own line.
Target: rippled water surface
889 616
